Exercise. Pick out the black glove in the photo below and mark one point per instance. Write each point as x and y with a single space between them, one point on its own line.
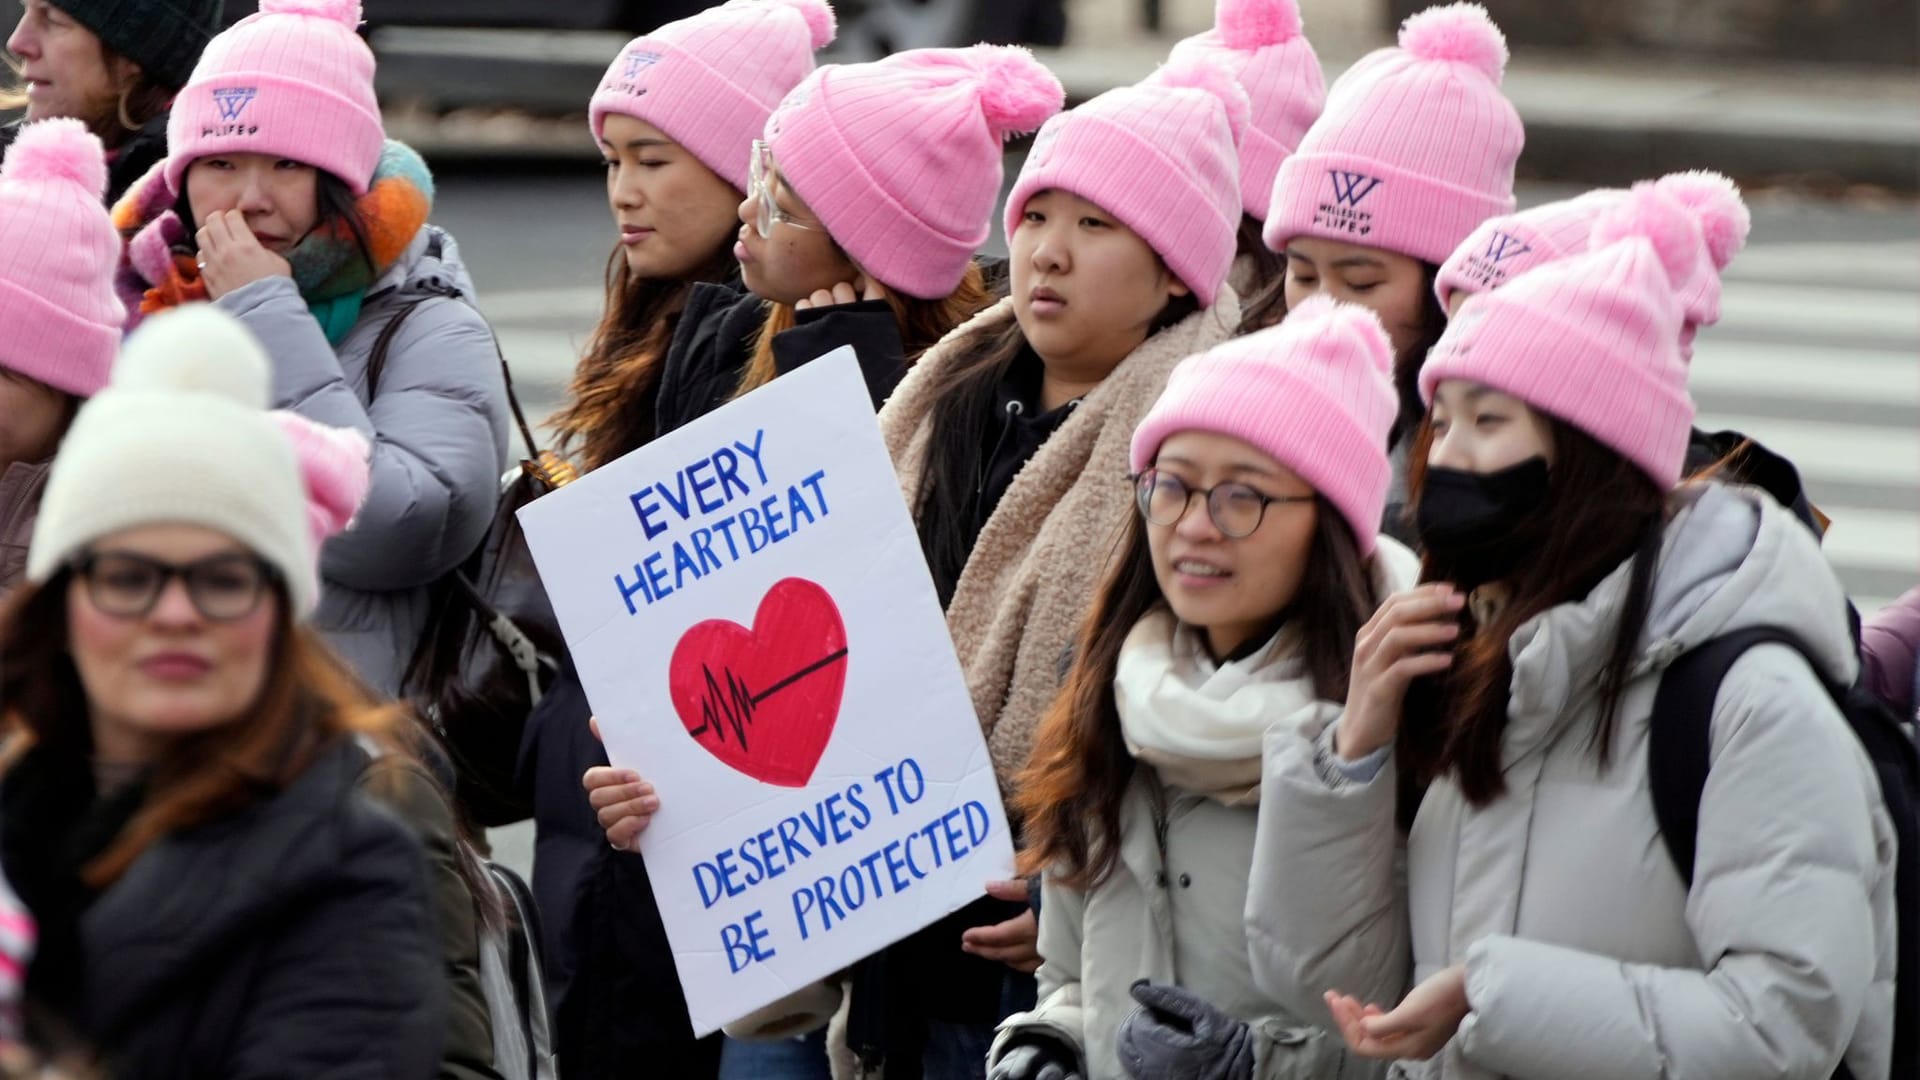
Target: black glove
1174 1035
1036 1059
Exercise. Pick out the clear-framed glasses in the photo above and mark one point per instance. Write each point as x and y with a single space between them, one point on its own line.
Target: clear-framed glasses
761 179
223 588
1235 508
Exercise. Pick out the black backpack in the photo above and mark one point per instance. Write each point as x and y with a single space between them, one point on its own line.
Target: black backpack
489 649
1678 744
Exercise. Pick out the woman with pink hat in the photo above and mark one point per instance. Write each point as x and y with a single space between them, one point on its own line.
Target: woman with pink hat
1416 147
1260 42
1507 708
1229 611
868 196
59 317
869 193
676 117
283 202
1507 246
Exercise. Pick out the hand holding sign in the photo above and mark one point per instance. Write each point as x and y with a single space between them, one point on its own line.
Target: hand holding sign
751 617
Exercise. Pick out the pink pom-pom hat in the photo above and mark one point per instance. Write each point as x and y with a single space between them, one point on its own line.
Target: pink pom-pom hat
1416 147
1505 247
60 320
900 159
710 81
1259 42
1160 157
1315 392
294 80
1593 340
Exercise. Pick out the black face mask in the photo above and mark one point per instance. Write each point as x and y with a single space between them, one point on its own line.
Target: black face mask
1475 525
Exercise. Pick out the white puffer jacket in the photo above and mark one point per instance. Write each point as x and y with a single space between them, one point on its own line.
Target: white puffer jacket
1586 955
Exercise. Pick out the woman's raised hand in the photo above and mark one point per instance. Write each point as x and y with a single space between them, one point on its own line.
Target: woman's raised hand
1410 636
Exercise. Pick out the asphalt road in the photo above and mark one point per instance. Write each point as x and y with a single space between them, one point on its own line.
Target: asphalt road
1817 353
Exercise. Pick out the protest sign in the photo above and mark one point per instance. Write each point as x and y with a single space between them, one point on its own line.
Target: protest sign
748 608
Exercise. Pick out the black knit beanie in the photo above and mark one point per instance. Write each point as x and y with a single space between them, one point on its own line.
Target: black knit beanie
164 37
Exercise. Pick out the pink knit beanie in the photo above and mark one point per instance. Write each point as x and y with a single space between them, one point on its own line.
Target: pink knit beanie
59 317
711 80
1259 43
294 81
1316 392
900 159
1593 340
1503 248
1161 156
1415 148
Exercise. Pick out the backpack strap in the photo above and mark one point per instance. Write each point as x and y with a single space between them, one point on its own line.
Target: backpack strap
1680 734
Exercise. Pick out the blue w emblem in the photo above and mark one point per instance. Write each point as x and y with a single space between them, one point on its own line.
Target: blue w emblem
233 100
1505 246
1351 187
639 61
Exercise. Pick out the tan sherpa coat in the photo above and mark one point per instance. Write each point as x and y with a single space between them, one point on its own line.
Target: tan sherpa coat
1033 571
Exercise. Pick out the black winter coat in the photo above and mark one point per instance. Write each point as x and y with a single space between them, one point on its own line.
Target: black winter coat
715 341
292 939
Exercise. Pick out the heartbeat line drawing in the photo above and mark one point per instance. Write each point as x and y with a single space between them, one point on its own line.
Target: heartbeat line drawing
732 707
796 654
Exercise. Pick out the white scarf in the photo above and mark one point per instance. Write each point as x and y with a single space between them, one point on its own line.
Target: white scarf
1200 724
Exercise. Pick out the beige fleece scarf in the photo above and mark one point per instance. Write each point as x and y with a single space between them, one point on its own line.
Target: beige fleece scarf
1020 600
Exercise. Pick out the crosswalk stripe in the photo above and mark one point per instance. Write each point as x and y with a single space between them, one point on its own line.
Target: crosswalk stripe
1765 307
1794 372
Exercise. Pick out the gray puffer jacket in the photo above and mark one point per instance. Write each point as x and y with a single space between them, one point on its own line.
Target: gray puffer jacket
1585 953
439 434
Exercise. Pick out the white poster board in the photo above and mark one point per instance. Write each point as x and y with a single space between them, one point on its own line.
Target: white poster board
755 627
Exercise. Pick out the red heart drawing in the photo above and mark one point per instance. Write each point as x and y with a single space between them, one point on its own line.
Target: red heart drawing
764 700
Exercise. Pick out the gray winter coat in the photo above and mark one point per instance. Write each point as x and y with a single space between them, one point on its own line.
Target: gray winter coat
439 434
1585 953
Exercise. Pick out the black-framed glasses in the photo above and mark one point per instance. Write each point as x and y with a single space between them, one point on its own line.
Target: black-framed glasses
223 588
1235 508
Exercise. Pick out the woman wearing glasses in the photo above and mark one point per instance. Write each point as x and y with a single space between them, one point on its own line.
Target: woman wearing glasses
869 196
1231 609
179 806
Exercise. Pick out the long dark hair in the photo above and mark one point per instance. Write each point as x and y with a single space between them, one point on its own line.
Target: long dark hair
1269 266
335 201
617 383
1268 307
1600 510
1069 795
960 423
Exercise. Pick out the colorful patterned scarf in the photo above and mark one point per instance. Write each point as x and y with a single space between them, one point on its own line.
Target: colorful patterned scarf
159 270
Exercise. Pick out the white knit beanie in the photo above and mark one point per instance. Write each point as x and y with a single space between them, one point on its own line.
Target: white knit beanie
182 435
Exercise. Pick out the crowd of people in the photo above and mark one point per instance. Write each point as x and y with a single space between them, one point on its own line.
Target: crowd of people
1360 764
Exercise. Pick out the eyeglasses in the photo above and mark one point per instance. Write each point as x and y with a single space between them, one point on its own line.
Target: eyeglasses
223 588
762 179
1235 508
